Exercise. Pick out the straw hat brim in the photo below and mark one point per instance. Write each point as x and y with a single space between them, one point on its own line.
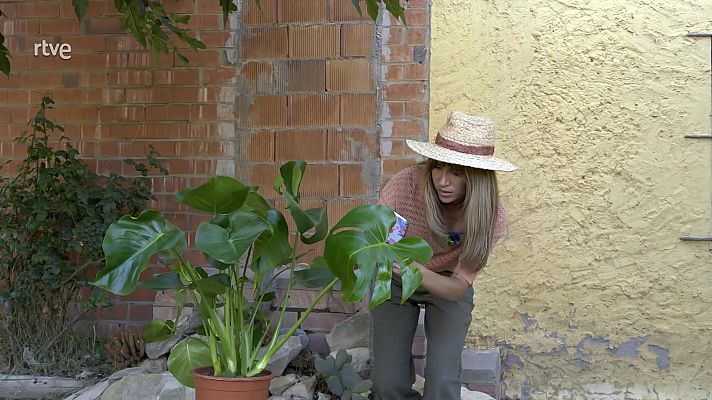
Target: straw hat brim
436 152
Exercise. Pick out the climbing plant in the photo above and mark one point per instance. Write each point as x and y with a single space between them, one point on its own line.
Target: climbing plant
159 31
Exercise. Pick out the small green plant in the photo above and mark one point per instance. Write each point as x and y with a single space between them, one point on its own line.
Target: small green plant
53 215
341 378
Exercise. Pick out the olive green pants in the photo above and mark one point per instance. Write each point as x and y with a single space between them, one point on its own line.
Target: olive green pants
393 329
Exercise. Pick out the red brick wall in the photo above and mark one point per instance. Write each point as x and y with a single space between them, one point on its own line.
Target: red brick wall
306 79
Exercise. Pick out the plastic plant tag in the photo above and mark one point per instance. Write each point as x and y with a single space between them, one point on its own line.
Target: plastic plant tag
398 230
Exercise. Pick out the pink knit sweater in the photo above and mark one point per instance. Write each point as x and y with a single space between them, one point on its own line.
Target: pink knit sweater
404 194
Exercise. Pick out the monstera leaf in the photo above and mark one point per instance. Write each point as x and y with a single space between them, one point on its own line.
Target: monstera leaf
228 245
129 244
312 223
356 247
186 356
220 195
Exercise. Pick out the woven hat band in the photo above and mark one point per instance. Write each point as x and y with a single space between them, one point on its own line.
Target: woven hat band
463 148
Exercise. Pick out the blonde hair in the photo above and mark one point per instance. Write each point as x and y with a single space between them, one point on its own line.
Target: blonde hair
479 209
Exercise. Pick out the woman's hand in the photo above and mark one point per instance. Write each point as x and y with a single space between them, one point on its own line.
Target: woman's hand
446 287
397 270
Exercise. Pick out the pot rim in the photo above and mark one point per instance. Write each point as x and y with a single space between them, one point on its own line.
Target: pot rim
200 372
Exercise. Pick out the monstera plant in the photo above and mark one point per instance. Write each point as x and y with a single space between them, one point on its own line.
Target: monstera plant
246 244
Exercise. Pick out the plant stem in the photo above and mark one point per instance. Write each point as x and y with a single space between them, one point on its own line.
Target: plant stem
274 348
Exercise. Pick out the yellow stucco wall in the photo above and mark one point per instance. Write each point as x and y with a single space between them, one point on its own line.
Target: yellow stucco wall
592 294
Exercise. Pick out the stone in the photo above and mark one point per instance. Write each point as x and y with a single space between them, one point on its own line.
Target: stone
155 366
466 394
301 334
90 392
278 398
291 349
137 387
157 349
360 359
322 396
281 383
303 390
350 333
188 321
175 390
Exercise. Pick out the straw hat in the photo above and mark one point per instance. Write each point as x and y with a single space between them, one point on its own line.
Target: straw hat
464 140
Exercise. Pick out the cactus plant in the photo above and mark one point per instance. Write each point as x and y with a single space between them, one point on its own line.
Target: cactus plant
341 378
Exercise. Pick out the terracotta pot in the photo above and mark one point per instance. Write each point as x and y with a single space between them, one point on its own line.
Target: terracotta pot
209 387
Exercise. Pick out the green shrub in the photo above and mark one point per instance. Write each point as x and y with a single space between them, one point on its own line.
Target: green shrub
53 215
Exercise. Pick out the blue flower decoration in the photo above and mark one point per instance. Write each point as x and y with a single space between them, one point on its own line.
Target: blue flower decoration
453 238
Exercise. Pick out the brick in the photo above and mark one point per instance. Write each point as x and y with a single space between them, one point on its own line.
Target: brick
23 28
208 7
314 110
337 208
399 54
357 39
257 77
323 322
408 128
210 112
218 39
98 96
265 42
318 41
289 11
261 175
43 80
59 26
393 148
37 9
266 112
416 16
168 112
129 78
117 312
391 167
349 75
321 180
217 75
404 91
352 145
307 145
300 76
182 76
355 180
140 312
417 36
416 72
122 113
265 14
358 110
344 10
102 25
415 109
394 109
257 146
139 95
205 22
182 6
395 35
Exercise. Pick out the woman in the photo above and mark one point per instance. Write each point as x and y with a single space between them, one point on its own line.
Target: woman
452 202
